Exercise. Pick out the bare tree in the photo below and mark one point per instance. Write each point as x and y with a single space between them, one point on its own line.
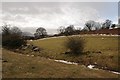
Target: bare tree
40 32
16 31
5 29
113 26
61 29
69 30
107 24
97 25
90 24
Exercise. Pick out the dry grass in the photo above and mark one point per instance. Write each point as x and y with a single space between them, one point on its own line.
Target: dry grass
100 50
22 66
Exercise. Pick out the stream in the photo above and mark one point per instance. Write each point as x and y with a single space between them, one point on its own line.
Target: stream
89 66
68 62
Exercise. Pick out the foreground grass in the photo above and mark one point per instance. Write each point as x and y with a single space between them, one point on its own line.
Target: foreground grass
101 51
17 65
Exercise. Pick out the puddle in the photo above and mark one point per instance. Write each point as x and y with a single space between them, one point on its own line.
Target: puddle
114 72
90 66
66 62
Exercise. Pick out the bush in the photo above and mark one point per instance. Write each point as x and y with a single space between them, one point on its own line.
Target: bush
75 45
12 38
12 41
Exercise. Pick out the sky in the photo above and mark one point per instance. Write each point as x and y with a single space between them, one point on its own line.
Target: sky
28 16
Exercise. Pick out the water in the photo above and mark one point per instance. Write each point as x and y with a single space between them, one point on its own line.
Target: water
66 62
89 66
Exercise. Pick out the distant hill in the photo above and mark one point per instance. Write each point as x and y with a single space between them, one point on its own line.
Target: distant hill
27 34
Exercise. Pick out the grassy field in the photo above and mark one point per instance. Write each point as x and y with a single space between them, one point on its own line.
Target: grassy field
100 50
17 65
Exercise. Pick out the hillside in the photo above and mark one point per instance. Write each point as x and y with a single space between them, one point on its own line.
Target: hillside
17 65
101 51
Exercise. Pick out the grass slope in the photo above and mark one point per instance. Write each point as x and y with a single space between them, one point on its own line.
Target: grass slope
106 45
17 65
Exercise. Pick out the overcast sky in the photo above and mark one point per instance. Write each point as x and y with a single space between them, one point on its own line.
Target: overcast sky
30 15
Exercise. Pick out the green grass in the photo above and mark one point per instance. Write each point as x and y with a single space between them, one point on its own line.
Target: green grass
54 48
22 66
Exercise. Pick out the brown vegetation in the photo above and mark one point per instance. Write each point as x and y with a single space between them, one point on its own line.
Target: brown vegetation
103 31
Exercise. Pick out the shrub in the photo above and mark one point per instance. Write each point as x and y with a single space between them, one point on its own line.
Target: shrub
12 38
12 41
75 45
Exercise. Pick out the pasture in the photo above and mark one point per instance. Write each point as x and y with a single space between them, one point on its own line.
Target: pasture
99 50
102 51
17 65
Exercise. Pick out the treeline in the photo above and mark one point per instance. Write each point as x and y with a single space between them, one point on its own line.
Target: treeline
12 36
88 27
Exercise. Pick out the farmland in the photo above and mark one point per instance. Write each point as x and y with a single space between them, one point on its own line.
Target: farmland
102 50
60 39
99 50
22 66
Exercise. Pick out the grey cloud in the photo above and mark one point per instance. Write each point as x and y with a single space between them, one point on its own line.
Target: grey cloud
11 17
52 15
18 8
